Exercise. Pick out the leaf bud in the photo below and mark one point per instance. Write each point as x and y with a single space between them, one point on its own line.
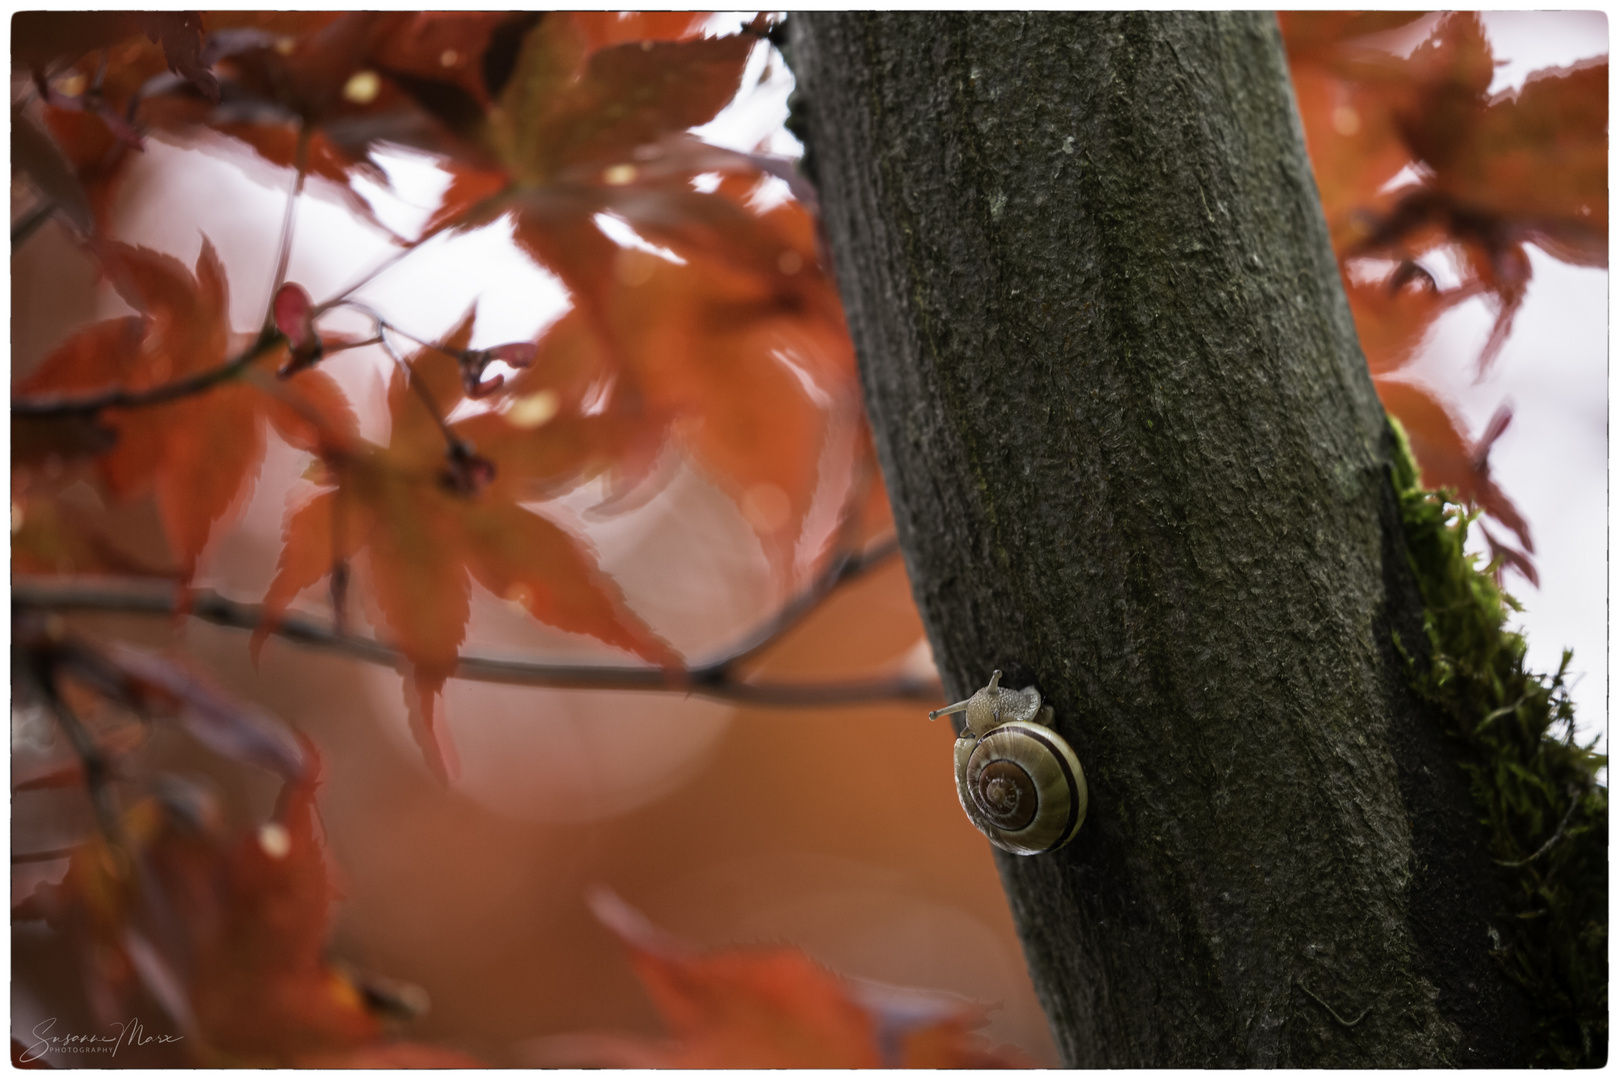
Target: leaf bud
473 361
293 315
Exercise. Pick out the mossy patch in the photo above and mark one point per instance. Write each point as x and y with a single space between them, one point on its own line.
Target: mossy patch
1536 789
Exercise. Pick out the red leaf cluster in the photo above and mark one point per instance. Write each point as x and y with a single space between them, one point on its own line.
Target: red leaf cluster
1416 160
432 515
226 931
196 455
773 1007
716 332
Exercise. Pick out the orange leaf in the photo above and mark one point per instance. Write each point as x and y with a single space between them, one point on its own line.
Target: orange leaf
1393 316
1447 457
541 439
346 83
426 537
396 1055
262 987
244 921
602 28
774 1007
738 353
1354 147
469 188
197 455
441 45
312 543
1490 175
1525 165
565 104
1540 153
1314 36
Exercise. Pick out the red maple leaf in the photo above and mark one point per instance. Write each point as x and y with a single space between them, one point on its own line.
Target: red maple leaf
1488 173
1483 177
230 930
726 344
197 455
432 514
773 1007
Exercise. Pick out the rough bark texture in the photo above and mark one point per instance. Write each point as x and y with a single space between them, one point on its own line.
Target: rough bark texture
1134 454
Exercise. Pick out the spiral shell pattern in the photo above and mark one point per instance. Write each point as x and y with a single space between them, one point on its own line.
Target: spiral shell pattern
1022 786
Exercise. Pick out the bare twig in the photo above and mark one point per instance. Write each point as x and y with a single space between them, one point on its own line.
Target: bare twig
365 279
390 261
713 680
847 562
383 324
41 856
284 246
1573 805
96 770
30 222
843 567
120 398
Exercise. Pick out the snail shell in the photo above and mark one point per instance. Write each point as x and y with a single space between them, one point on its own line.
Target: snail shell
1018 780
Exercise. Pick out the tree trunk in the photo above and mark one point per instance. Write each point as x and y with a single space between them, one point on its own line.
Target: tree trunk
1135 455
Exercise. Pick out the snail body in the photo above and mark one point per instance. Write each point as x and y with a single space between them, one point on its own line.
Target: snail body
1018 780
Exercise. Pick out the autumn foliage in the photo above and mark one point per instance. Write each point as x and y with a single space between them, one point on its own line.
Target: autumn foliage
716 337
1416 162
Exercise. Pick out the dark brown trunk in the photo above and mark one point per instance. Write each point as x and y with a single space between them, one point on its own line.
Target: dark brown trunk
1134 453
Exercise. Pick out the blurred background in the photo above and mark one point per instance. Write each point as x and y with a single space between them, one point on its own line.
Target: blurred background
837 830
1553 371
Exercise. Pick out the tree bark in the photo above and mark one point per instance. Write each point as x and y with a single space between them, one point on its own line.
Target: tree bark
1135 457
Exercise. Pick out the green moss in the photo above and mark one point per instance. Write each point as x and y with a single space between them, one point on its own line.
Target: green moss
1536 789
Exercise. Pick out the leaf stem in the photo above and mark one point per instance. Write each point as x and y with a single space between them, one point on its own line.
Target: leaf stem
284 245
393 259
454 441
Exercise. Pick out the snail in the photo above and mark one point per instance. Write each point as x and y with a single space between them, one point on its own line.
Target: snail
1018 780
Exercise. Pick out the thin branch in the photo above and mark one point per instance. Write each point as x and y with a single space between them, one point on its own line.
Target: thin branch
384 325
120 398
41 856
388 263
30 222
845 567
97 772
370 275
847 563
1573 805
284 246
709 681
